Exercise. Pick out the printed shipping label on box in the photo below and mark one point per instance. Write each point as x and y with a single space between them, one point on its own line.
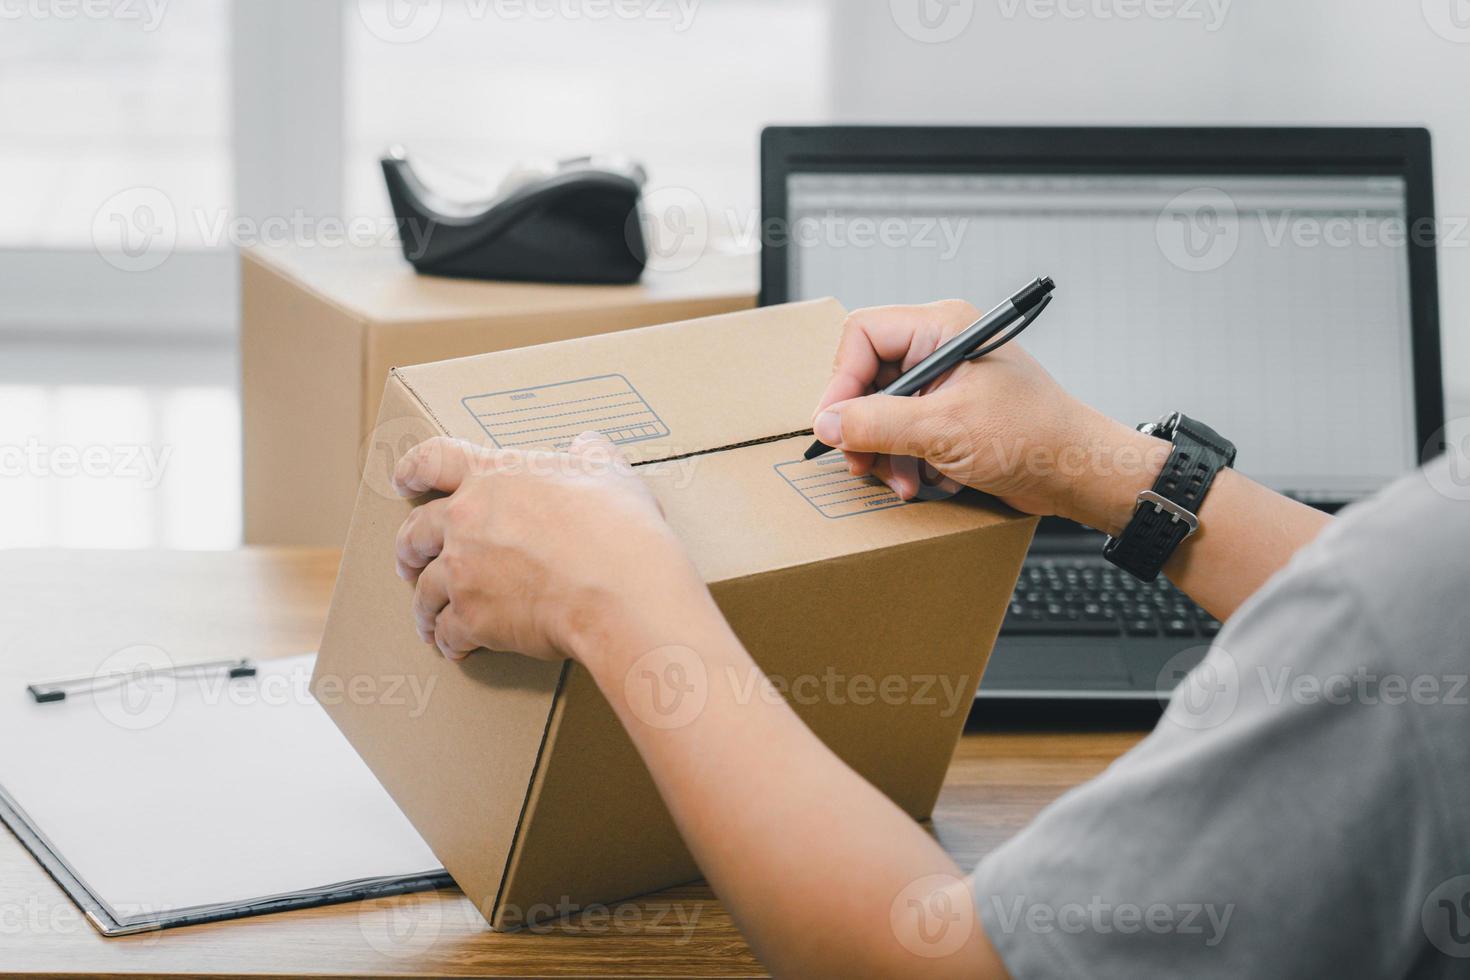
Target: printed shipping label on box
551 416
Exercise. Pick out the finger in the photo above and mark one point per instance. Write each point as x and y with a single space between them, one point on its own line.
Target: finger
934 484
591 439
884 335
421 537
860 464
452 634
887 374
596 455
882 471
900 473
924 342
876 424
440 463
596 447
429 597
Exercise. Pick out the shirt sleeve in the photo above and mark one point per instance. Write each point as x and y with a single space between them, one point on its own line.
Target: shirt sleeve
1282 820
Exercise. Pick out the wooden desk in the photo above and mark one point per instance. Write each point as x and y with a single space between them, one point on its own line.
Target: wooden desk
66 610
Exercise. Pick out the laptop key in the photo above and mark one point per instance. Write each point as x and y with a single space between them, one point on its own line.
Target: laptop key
1059 627
1178 627
1141 627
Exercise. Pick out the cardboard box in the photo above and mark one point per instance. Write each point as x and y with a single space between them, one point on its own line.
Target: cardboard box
516 772
320 327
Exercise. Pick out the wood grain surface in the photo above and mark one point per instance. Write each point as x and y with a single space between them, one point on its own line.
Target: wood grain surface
64 612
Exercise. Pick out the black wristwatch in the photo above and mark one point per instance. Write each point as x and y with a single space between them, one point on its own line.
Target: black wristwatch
1168 513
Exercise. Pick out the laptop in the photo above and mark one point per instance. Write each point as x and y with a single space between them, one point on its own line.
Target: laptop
1276 283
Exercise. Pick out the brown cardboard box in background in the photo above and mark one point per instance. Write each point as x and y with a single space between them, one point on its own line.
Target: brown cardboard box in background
320 327
517 773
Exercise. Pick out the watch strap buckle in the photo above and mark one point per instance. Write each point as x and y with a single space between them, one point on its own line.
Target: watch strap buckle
1163 505
1168 513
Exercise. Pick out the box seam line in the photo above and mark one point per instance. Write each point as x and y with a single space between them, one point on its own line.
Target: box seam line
515 839
428 410
728 447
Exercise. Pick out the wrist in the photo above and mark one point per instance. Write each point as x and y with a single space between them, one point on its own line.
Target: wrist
611 629
1123 463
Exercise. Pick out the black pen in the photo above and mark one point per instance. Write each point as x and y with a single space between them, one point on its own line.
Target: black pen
974 341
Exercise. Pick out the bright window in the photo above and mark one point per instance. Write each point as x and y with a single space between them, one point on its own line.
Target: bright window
93 106
682 86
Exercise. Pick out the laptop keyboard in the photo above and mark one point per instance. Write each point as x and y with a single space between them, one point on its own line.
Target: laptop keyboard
1091 597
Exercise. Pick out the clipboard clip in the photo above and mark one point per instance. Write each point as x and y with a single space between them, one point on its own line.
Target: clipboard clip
44 693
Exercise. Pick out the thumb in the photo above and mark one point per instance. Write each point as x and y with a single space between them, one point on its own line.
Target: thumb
889 424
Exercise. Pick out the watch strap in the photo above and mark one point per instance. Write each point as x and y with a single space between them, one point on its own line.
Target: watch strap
1166 515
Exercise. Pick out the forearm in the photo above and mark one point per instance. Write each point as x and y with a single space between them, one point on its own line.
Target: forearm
1247 532
808 856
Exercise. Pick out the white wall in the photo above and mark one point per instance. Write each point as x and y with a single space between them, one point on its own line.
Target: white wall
1402 62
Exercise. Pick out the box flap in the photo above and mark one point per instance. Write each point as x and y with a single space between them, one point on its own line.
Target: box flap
705 409
762 507
659 392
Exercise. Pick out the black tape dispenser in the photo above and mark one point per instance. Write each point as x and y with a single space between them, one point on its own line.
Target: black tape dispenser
579 222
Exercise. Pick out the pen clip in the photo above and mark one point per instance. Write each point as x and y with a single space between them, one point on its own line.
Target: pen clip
1014 332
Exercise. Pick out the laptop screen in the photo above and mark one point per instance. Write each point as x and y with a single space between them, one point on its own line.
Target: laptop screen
1274 308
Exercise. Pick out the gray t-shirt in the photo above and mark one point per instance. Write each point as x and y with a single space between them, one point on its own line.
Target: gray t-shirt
1303 808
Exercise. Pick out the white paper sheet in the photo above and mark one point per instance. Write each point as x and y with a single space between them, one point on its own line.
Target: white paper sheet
166 794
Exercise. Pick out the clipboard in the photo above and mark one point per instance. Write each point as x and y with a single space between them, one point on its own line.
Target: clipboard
289 735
